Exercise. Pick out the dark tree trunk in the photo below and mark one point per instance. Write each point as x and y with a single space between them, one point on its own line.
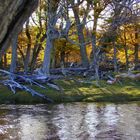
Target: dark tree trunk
126 51
63 53
115 57
5 60
1 63
126 57
14 55
53 59
62 57
94 54
28 51
34 57
13 14
136 53
36 50
81 38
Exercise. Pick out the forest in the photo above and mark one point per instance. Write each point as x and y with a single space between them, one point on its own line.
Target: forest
69 69
56 43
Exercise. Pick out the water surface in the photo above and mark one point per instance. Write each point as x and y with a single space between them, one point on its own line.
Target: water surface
72 121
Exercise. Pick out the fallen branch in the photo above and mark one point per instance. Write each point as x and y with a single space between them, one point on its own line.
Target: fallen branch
129 76
53 86
14 83
117 78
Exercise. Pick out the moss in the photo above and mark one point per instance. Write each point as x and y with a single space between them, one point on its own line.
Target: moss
74 91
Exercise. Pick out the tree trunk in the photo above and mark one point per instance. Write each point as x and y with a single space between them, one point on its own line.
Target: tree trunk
36 50
115 58
53 59
1 63
14 55
5 60
35 56
94 57
62 57
52 34
13 14
126 57
28 51
136 57
94 54
47 57
81 38
126 51
63 53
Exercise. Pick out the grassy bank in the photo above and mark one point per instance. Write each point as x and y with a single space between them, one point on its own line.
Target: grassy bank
74 91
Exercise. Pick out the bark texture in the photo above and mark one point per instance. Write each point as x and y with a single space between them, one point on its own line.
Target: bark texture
52 34
13 14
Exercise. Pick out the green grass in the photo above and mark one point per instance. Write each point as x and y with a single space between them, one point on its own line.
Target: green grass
77 92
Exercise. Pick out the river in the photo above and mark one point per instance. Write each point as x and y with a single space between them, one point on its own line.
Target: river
71 121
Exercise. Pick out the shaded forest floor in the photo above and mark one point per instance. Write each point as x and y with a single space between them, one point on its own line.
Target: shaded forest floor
79 90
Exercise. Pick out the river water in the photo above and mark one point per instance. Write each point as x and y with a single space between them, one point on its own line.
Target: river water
71 121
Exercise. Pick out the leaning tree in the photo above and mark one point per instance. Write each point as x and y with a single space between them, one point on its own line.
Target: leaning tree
13 14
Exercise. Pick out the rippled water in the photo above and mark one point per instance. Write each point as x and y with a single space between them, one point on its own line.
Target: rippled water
72 121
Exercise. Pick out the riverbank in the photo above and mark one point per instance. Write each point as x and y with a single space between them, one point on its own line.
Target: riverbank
77 91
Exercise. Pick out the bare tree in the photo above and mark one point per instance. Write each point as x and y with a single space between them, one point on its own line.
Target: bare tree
97 7
52 33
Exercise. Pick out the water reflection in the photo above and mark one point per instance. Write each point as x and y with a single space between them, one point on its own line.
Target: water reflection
77 121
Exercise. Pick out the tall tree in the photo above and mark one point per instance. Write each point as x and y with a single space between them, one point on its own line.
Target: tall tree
97 7
13 18
52 33
41 24
80 26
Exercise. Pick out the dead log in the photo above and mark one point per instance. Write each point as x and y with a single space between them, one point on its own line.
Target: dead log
128 76
117 78
15 83
67 70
